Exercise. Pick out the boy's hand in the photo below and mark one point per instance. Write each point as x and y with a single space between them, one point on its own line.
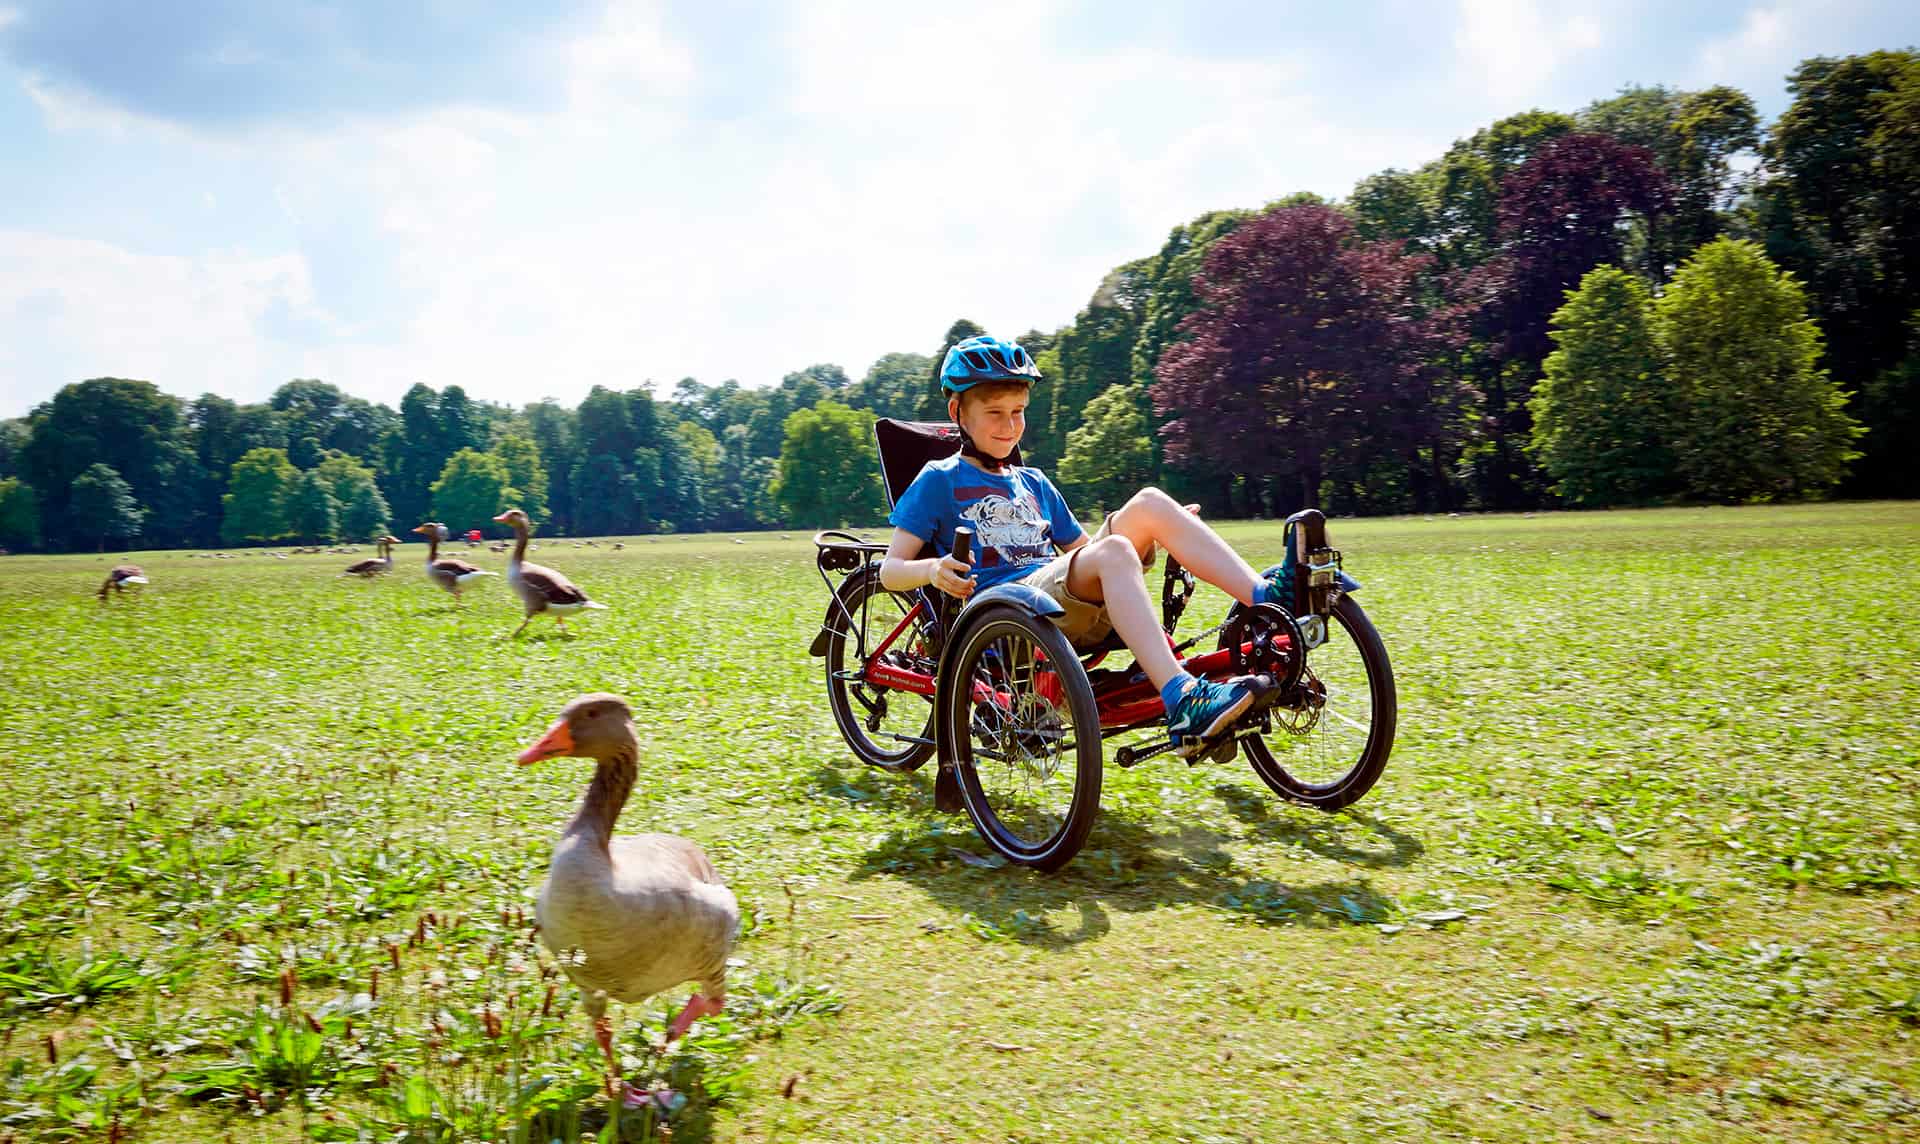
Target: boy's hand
950 576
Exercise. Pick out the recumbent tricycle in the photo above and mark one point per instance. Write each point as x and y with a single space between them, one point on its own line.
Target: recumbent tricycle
1019 718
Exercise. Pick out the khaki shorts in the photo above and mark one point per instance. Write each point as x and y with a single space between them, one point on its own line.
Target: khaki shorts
1085 623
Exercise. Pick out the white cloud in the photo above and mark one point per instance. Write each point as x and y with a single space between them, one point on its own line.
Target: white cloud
190 324
1774 36
879 194
68 108
629 60
1515 48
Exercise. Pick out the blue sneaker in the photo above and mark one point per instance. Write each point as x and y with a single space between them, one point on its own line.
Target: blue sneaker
1207 709
1276 586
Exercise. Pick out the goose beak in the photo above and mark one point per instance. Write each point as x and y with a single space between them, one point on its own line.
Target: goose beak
556 742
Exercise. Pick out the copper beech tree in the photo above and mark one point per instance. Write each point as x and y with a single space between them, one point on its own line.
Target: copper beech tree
1307 359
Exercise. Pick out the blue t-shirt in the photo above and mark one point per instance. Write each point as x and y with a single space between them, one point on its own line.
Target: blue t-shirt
1017 516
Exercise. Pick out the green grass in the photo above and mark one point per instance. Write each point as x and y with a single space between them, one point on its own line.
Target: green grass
1642 867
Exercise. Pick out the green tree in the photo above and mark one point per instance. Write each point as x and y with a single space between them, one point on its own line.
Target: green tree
257 497
605 424
361 508
101 505
690 463
14 435
414 456
1603 415
1462 188
1890 404
364 515
1693 136
1758 419
894 386
1094 353
1108 457
19 514
129 426
311 510
1840 207
219 433
826 474
604 497
526 476
471 491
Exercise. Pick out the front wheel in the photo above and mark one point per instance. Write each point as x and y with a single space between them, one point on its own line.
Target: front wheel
1023 732
1332 736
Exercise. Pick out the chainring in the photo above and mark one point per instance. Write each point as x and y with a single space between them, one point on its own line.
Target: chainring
1254 638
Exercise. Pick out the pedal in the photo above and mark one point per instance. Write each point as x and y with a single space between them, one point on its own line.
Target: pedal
1221 752
1133 756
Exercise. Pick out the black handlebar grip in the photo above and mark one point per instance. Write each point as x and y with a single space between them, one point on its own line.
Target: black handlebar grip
963 545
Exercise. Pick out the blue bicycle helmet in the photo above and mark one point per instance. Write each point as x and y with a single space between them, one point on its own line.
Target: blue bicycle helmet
986 358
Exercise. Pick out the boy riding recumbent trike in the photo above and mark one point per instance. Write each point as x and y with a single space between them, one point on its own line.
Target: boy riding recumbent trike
1018 717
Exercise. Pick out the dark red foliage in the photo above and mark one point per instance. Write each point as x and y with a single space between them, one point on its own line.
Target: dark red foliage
1562 213
1306 342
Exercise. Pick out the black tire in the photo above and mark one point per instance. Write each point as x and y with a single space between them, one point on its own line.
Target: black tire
1028 766
885 728
1344 745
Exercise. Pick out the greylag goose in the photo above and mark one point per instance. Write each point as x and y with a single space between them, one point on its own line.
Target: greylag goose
120 577
373 566
449 573
633 916
541 589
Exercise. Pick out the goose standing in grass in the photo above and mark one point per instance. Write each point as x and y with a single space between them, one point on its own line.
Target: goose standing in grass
633 916
449 573
374 565
541 589
120 577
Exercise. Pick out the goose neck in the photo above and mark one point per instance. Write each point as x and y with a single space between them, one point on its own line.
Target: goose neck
605 797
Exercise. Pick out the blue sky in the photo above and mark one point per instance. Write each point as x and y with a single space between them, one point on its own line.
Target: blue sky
529 199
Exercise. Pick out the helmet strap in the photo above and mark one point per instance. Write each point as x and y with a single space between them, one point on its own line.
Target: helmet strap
969 449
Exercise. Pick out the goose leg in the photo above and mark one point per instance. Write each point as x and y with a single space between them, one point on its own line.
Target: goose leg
699 1005
596 1005
523 626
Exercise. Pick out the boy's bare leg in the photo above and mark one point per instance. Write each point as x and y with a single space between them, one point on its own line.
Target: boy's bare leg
1152 517
1109 570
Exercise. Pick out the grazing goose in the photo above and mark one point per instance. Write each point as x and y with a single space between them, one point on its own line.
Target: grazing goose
448 573
541 589
120 577
373 566
633 916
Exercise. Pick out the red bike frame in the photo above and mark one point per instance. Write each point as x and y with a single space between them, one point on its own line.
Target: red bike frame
1122 699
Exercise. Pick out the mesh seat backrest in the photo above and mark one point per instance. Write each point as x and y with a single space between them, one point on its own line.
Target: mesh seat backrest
907 446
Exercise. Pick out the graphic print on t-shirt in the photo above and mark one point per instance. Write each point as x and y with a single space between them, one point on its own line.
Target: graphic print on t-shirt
1014 530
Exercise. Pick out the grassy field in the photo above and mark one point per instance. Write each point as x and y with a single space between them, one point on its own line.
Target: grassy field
1643 865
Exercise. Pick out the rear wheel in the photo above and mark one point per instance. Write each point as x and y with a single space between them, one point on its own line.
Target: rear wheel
885 727
1020 722
1332 735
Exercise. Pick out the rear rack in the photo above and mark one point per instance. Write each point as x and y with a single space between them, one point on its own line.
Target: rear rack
843 551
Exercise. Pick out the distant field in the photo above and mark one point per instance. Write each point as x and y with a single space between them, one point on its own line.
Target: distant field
1656 797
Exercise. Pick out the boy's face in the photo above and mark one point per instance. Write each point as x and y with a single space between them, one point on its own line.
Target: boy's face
995 420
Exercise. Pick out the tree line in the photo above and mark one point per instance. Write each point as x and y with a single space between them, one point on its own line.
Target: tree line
1656 298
